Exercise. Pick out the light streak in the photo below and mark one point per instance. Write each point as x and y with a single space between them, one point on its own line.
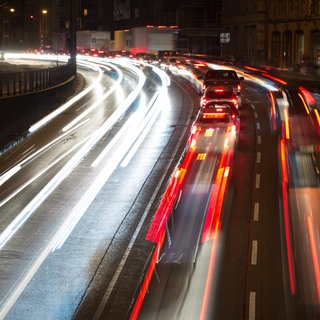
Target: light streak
304 104
178 173
274 78
284 170
317 116
10 173
39 174
114 141
68 104
144 287
116 115
264 83
159 220
62 174
286 124
207 289
141 133
308 96
96 103
105 173
273 111
17 167
315 259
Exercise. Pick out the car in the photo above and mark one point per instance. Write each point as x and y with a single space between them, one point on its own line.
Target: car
208 121
219 77
220 97
223 113
147 57
174 64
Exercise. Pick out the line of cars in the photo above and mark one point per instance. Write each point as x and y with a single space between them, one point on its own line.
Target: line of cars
219 109
221 97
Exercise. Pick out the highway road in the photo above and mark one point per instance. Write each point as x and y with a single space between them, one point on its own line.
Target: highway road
263 262
49 181
80 199
233 262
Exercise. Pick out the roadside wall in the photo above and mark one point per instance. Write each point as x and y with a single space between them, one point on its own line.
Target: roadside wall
19 112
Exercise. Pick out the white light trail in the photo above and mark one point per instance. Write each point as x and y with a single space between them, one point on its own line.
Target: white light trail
116 115
152 116
9 174
40 173
68 104
12 171
141 133
96 103
67 169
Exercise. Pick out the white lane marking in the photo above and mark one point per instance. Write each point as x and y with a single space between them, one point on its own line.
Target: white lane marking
257 181
254 252
258 125
256 211
259 139
252 306
255 115
258 157
253 107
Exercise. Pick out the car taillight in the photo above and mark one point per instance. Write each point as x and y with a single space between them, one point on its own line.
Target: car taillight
234 101
239 88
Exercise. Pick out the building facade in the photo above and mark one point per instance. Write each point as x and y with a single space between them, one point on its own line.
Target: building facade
197 21
33 24
44 24
283 33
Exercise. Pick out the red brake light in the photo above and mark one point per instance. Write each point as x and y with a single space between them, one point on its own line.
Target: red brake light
218 90
234 101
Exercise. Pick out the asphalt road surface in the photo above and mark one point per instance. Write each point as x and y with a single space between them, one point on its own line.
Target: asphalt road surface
79 194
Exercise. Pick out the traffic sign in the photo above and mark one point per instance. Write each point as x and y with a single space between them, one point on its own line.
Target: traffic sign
224 37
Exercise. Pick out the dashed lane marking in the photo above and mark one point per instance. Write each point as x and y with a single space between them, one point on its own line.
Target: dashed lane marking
252 306
254 252
257 181
256 211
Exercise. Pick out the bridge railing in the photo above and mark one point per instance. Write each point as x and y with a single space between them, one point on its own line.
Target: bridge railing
23 82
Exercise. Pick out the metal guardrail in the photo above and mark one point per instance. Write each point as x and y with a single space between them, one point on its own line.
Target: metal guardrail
17 83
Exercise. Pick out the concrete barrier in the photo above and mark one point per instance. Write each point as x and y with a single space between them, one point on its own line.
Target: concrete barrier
19 112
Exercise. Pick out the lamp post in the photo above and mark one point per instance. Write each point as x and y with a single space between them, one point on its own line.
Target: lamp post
73 35
44 29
